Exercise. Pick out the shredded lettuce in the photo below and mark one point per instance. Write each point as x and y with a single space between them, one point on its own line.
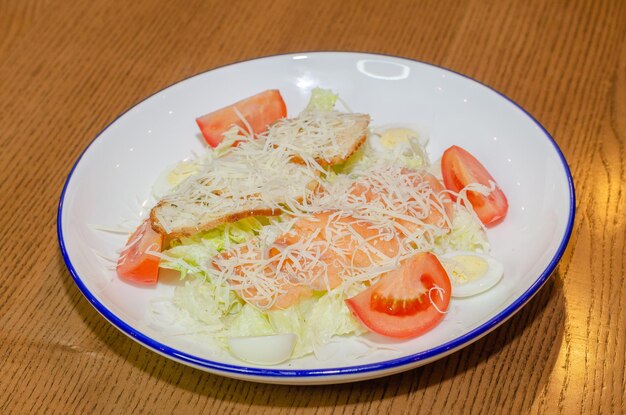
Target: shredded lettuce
314 321
322 100
192 254
411 155
249 322
207 302
359 160
466 234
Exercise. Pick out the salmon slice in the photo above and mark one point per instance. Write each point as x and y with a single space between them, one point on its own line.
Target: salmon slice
326 248
342 245
316 254
278 292
426 199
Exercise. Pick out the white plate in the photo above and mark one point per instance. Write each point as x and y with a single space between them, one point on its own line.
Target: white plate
112 180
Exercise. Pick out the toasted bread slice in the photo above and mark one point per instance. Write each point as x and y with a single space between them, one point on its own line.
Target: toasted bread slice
327 137
247 182
260 177
160 214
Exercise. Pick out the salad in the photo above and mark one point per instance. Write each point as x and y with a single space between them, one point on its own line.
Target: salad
291 231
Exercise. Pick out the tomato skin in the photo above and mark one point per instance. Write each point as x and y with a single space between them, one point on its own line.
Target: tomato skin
259 110
135 264
459 168
411 281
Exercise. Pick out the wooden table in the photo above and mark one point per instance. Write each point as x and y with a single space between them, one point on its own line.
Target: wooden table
67 68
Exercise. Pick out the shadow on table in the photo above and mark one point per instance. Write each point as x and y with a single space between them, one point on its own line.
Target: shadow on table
522 352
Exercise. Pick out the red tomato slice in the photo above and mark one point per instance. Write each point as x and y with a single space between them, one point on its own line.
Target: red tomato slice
459 168
135 263
403 303
259 110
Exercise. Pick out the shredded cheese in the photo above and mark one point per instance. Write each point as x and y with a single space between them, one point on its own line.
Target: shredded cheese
259 173
344 232
352 232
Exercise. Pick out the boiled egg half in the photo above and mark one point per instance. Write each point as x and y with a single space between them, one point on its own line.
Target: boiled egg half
401 143
471 273
395 138
173 176
263 350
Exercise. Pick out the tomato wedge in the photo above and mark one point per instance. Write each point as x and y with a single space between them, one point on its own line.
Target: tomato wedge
405 302
459 169
259 110
136 263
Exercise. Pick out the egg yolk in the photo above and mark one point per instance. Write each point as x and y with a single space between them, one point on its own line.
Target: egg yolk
181 172
468 268
395 136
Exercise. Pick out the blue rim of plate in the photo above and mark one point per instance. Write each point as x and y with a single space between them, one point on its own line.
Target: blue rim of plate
442 349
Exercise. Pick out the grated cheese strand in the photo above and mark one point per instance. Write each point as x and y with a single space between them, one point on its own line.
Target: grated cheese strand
363 236
259 174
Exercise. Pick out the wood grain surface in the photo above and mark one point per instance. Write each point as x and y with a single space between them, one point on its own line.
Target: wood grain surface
67 68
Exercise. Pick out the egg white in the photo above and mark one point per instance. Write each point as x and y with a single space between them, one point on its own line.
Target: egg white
471 273
263 350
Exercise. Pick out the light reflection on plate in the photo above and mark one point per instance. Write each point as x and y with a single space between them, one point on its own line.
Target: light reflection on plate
383 69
